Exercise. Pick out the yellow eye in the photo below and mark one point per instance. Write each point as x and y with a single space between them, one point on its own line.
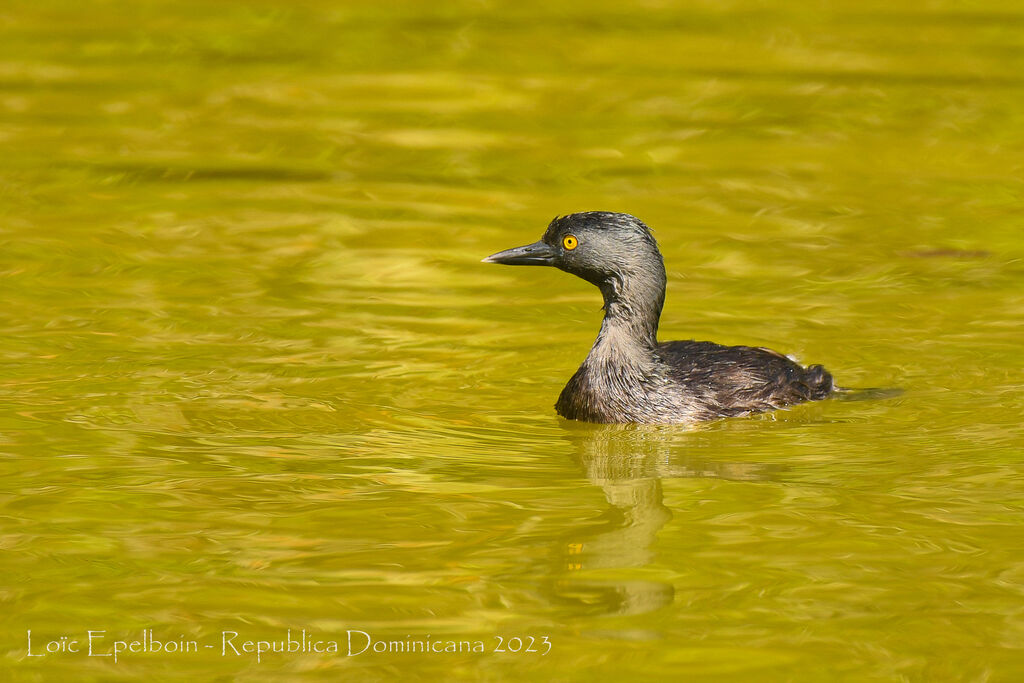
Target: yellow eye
570 242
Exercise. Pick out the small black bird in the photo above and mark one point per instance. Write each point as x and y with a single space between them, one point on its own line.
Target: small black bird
629 376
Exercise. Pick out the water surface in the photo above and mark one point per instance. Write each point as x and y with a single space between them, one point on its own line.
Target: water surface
256 379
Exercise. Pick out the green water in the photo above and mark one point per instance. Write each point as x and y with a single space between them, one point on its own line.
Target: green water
255 378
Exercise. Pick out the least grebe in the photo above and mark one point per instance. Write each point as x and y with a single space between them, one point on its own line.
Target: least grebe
629 376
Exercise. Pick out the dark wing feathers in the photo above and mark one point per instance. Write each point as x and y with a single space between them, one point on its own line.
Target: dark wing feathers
736 380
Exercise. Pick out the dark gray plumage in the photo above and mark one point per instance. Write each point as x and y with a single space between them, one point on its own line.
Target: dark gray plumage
629 376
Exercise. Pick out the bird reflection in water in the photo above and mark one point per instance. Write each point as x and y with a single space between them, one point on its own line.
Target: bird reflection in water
628 463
